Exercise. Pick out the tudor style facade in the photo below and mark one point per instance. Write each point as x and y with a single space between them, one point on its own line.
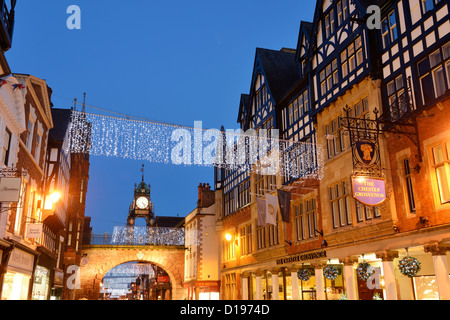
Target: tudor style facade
349 78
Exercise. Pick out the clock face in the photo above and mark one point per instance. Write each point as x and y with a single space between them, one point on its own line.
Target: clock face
142 202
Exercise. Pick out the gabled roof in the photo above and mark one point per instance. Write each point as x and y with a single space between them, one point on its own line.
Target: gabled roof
280 68
244 106
169 222
306 29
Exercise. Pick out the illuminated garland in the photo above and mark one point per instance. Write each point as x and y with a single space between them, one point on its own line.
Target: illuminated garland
102 135
137 235
364 271
409 266
330 272
304 274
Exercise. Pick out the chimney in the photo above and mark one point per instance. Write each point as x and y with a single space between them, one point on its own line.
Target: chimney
205 195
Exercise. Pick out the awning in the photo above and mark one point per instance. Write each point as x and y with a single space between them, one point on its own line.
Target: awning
54 223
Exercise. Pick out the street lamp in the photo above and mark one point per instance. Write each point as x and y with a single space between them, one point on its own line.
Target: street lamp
52 199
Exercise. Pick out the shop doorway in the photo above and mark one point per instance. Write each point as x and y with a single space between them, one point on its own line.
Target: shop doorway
365 293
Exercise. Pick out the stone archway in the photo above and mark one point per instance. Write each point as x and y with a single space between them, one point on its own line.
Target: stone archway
101 259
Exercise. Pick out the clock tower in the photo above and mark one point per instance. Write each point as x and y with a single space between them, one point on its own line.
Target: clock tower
141 207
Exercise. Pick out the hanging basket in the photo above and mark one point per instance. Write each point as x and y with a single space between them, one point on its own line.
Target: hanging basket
409 266
330 272
364 271
304 274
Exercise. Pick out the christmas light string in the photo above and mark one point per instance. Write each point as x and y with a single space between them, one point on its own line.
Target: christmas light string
124 137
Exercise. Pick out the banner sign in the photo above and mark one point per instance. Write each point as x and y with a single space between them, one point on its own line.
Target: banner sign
369 191
10 189
302 257
33 230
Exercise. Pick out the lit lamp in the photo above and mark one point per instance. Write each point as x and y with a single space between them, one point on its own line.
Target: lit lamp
52 199
229 237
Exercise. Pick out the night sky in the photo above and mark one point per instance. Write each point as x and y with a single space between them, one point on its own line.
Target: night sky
169 61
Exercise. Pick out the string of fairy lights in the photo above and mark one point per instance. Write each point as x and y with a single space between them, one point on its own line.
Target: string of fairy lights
131 137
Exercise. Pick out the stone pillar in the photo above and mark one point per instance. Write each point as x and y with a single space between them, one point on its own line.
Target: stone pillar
390 283
439 250
275 285
295 283
349 277
320 283
258 275
244 285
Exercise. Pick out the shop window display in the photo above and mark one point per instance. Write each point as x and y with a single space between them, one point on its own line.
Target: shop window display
425 288
41 283
335 288
15 286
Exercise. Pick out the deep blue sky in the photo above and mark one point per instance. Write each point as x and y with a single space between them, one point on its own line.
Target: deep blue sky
171 61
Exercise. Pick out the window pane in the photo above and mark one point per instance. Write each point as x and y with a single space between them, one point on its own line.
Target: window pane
446 51
438 155
444 189
447 145
435 58
439 81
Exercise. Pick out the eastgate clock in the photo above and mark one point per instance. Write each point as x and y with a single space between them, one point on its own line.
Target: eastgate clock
142 203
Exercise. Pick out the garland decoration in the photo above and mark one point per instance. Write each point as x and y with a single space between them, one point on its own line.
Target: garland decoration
330 272
304 274
364 271
409 266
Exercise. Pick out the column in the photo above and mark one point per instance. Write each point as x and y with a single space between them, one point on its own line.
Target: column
349 277
275 285
439 250
258 281
320 284
390 283
295 284
244 285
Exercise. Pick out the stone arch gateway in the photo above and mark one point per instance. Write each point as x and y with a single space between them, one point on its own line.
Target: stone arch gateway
99 259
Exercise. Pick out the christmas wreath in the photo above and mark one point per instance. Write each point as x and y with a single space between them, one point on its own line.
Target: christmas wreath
330 272
304 274
409 266
364 271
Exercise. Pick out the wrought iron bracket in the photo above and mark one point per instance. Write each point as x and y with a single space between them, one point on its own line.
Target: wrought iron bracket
365 129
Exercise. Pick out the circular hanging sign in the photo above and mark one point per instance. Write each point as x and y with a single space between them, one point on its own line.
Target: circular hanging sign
369 191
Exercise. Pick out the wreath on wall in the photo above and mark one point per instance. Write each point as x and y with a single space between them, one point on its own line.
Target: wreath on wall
304 274
330 272
409 266
364 271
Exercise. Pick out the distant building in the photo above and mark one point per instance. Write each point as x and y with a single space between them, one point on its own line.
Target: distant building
201 276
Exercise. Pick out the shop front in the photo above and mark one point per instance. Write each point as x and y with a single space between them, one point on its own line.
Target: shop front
18 276
413 267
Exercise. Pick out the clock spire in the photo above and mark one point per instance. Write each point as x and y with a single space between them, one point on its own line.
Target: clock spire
142 170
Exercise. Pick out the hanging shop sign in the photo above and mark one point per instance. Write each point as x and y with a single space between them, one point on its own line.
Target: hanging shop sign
10 189
34 230
369 191
21 261
303 257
